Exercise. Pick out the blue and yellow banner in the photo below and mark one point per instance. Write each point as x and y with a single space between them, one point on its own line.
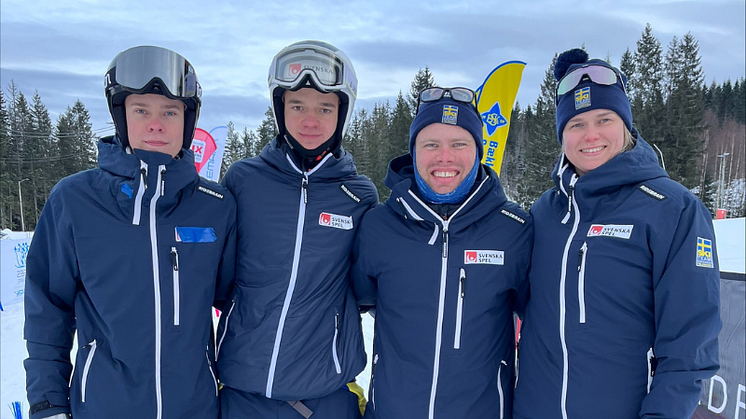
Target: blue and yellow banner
495 99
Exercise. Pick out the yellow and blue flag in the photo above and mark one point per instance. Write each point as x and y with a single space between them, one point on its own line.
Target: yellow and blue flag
495 99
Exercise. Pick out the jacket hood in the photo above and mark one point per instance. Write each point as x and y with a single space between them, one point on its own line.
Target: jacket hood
114 159
278 155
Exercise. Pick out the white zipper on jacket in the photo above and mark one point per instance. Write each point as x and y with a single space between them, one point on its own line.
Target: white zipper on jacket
209 366
442 295
86 369
177 286
650 356
334 344
157 288
225 330
140 192
294 271
500 387
563 278
581 280
459 309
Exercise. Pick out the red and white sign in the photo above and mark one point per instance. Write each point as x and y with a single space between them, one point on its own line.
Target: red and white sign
203 146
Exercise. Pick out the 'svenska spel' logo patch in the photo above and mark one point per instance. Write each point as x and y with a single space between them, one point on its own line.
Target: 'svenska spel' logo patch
485 257
611 230
342 222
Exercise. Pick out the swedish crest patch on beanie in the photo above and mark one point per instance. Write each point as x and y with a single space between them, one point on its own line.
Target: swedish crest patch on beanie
450 112
587 95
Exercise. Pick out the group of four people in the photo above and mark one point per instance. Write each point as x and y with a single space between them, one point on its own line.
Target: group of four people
614 271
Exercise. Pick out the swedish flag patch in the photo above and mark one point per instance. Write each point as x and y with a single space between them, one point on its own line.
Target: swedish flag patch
450 114
704 253
583 98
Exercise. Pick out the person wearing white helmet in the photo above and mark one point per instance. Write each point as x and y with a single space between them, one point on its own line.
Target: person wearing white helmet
130 257
290 340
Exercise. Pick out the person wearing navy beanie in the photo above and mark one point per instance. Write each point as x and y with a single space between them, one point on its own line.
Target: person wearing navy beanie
442 262
623 317
438 187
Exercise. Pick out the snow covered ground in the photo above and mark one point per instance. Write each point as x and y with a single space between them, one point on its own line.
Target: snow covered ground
730 245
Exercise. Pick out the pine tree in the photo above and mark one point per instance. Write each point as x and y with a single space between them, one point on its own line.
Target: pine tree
514 164
232 151
355 144
398 135
684 111
5 176
422 81
75 140
376 134
19 120
248 143
542 147
266 132
37 155
627 67
648 105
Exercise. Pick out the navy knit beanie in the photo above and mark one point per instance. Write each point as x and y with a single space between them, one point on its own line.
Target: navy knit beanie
451 112
588 95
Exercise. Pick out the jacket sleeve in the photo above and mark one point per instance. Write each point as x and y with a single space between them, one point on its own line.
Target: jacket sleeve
686 287
227 268
364 286
51 283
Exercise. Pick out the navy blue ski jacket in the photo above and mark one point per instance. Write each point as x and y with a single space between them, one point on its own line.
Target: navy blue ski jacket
131 255
623 317
444 294
292 329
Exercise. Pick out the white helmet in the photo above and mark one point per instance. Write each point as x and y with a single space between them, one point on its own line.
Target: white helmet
314 64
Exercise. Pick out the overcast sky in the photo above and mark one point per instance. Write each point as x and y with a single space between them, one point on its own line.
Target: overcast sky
62 49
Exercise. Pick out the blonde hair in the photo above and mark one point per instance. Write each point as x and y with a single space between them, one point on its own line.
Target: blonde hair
629 140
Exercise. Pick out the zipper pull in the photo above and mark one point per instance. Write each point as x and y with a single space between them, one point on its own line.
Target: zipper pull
163 181
445 242
304 185
583 248
462 280
144 176
403 210
570 196
175 258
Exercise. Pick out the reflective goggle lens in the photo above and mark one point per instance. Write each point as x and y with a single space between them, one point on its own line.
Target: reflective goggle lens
327 69
136 68
459 94
597 74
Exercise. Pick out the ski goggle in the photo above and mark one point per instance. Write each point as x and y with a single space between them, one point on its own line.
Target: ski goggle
596 73
458 94
325 69
137 69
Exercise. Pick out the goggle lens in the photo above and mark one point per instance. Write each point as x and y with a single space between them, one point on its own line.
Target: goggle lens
596 73
459 94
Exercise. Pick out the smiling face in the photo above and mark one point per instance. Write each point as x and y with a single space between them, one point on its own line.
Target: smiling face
155 123
445 155
311 116
592 138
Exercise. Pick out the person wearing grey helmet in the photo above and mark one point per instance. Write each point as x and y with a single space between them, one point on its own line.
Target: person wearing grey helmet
290 340
130 257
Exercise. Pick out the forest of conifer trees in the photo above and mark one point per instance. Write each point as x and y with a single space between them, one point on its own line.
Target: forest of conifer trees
699 129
